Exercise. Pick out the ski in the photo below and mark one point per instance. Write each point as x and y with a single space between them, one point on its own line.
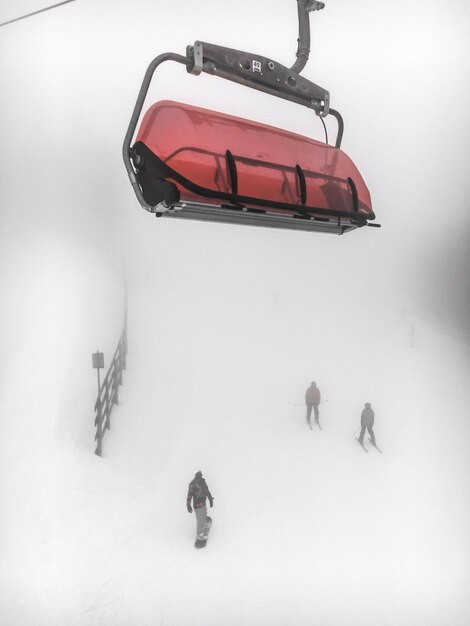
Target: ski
361 443
375 446
320 427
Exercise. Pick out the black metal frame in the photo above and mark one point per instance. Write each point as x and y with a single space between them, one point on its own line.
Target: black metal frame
268 76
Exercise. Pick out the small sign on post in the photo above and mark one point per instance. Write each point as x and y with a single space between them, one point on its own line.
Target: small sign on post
98 363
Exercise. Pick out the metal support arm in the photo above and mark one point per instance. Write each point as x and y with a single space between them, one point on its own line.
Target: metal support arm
126 147
258 72
303 50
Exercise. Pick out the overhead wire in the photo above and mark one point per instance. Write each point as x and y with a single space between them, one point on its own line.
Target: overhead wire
23 17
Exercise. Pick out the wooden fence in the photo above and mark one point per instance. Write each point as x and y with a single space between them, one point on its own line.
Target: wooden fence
108 394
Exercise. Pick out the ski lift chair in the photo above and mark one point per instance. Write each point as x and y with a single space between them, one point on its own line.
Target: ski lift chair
192 163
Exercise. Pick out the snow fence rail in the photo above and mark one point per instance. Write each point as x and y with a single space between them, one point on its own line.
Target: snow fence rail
108 394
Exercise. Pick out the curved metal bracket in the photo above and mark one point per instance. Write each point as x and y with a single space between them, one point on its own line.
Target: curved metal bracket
126 147
304 7
339 119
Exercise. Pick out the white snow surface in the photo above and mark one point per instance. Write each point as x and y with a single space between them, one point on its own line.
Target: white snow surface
308 529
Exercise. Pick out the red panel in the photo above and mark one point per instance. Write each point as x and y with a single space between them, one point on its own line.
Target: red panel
193 141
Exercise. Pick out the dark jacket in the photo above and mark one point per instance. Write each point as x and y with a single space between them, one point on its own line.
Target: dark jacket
367 417
198 492
312 395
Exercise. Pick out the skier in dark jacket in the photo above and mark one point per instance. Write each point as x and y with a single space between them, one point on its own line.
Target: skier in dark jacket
367 421
312 400
198 493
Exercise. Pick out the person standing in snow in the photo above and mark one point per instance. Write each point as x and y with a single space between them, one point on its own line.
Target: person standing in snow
367 422
312 400
198 493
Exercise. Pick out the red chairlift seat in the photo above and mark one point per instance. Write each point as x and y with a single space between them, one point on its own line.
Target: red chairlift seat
194 163
187 156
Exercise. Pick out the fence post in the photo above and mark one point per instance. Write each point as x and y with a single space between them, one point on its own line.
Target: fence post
108 391
116 384
124 347
109 406
98 363
120 363
99 428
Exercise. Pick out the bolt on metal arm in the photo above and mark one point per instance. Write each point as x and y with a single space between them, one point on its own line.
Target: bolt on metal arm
304 8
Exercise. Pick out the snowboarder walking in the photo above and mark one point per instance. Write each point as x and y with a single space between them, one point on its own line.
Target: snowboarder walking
312 400
199 492
367 422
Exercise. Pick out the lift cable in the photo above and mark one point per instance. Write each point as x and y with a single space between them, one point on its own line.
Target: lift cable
23 17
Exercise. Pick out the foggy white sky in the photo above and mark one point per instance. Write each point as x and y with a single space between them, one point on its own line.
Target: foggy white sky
396 71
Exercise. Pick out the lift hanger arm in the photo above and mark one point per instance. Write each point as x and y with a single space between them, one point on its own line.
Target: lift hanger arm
263 74
304 7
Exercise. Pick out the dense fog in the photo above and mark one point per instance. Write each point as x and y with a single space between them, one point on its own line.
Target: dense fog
229 324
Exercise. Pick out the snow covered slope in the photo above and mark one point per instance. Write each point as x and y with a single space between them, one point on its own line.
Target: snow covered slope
308 529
